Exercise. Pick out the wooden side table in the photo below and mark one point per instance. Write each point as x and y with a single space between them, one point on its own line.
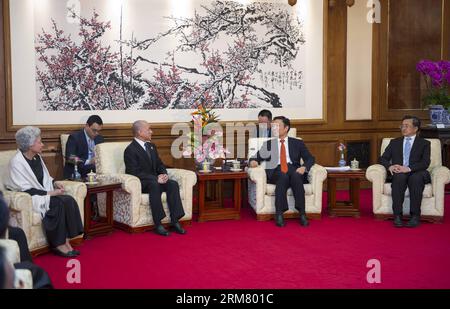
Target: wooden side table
344 208
209 210
104 225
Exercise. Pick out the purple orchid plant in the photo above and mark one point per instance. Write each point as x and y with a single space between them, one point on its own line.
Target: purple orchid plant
437 79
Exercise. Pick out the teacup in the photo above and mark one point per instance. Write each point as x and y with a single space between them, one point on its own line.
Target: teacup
236 165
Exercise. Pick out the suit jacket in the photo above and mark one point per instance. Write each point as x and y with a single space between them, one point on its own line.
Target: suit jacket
77 145
419 158
139 164
297 152
269 129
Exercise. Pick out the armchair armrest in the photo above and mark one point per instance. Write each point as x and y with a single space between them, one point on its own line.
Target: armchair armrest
257 187
77 190
186 181
377 175
18 201
185 178
130 184
317 176
440 176
24 279
376 172
257 175
21 206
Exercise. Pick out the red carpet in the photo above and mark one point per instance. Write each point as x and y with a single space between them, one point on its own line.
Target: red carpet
330 253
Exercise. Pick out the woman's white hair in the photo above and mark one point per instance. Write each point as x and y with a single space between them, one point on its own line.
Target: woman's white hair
26 137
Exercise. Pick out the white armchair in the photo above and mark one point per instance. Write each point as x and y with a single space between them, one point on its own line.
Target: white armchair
432 207
21 210
131 207
261 195
24 278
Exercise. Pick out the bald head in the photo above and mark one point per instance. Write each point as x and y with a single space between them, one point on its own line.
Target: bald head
142 131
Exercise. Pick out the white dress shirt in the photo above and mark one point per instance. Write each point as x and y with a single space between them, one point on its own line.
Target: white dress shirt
142 143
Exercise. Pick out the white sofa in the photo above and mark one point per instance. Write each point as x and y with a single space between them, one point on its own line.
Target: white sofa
261 195
131 207
432 207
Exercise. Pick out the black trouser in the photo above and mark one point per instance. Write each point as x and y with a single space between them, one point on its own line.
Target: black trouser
17 234
41 280
154 189
62 221
282 183
415 182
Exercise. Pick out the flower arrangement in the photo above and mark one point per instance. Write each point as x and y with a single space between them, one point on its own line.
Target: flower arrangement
203 116
341 148
437 80
204 143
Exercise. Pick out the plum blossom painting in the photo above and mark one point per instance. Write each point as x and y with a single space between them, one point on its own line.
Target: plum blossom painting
160 60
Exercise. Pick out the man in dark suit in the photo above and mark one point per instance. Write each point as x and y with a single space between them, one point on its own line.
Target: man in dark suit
142 160
81 144
263 129
283 157
406 159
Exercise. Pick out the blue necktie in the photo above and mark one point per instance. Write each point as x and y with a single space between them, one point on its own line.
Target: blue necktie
407 151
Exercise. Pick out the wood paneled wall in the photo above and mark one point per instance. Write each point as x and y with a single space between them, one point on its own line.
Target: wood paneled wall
321 137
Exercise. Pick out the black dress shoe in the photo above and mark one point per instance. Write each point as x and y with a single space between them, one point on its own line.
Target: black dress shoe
398 221
160 230
303 220
178 228
279 220
60 253
413 222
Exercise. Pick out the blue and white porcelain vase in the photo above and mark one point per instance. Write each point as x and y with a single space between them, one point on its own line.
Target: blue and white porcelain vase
342 161
438 114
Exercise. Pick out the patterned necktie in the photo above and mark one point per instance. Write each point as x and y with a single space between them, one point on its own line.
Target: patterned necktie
283 160
407 151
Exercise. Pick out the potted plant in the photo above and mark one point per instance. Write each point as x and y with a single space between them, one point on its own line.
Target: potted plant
436 75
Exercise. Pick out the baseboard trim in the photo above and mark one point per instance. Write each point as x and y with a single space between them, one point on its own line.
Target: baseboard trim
432 219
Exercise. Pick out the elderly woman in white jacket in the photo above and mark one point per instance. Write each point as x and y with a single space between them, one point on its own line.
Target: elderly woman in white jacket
59 212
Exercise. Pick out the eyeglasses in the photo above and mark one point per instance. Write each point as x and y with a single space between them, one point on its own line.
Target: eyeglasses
405 126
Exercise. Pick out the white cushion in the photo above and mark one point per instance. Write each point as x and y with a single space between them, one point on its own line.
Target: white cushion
270 190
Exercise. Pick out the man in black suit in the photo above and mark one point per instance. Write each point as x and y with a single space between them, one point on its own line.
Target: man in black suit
263 129
81 144
142 160
283 168
406 159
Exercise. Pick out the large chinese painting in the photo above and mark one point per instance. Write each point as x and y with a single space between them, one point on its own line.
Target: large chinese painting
159 60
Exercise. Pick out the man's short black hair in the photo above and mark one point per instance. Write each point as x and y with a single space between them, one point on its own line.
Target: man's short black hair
94 119
265 113
415 120
4 216
286 121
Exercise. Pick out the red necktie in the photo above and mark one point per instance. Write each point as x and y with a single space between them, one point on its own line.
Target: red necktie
283 161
